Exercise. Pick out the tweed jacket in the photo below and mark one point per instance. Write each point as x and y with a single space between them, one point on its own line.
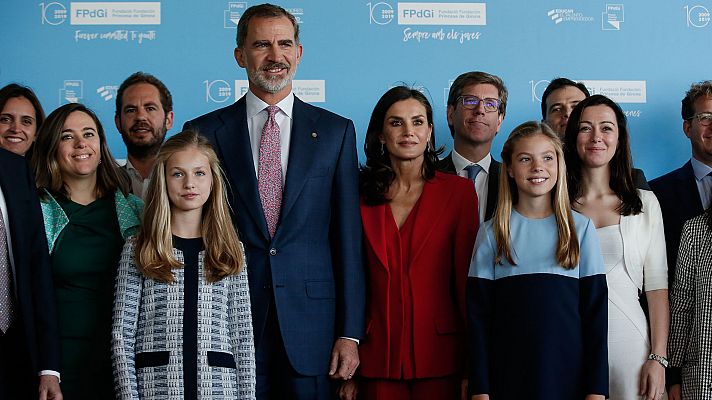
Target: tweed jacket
147 334
690 343
128 211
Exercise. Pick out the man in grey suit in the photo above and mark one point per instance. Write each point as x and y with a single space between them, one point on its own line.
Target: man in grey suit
476 106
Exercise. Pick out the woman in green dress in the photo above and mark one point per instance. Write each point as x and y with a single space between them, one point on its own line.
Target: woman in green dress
88 213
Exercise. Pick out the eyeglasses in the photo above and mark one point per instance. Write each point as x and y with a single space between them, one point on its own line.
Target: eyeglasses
704 118
471 102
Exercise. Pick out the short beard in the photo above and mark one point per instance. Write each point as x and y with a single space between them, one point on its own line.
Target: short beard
143 151
270 85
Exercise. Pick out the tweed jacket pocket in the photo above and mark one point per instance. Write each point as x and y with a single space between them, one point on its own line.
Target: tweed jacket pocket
220 359
152 359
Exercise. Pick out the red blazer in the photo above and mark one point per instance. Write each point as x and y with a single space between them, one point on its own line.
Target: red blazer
443 239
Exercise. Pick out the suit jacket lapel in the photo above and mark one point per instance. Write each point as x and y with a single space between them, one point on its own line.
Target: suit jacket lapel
692 195
492 189
374 230
302 150
431 201
234 143
446 164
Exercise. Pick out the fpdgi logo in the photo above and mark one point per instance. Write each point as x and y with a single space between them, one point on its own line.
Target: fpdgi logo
72 92
231 16
613 16
381 13
107 92
53 13
217 91
697 16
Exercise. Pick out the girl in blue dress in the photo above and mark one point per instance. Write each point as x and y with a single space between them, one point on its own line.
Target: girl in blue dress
537 297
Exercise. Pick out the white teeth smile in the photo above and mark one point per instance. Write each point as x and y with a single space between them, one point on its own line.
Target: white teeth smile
537 180
14 139
81 156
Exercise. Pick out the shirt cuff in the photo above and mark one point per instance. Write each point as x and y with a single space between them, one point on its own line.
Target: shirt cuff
50 372
348 338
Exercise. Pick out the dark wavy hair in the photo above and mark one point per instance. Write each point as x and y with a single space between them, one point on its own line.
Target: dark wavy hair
45 164
621 165
14 90
141 77
377 174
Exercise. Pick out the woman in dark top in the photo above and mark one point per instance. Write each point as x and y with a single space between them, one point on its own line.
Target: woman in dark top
88 213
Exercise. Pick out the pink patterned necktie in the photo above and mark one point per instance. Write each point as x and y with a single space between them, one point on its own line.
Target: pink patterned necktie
269 171
5 281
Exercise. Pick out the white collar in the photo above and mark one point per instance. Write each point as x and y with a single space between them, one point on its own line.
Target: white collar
255 105
461 162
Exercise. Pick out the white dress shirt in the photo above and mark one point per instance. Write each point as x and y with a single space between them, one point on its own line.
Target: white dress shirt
481 181
257 116
138 184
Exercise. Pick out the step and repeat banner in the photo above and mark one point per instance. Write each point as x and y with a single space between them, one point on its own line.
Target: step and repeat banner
643 54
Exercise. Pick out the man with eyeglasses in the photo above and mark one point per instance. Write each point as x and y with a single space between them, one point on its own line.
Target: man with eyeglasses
686 192
476 106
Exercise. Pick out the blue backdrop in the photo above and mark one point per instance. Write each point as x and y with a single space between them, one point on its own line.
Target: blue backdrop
643 54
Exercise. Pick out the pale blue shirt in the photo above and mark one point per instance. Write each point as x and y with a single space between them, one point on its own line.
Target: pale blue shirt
704 182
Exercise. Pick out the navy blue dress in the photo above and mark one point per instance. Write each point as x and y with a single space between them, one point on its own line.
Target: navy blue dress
537 330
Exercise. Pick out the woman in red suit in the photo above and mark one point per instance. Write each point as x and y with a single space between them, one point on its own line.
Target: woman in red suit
419 228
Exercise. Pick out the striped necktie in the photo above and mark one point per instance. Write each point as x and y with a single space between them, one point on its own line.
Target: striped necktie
6 295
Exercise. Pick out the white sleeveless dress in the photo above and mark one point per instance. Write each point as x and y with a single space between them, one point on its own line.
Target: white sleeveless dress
628 343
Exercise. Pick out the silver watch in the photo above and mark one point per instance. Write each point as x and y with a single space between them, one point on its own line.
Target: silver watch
662 360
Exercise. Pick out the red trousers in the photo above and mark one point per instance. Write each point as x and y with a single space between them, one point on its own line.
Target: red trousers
445 388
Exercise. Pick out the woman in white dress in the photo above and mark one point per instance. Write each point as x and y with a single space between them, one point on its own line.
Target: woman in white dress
630 228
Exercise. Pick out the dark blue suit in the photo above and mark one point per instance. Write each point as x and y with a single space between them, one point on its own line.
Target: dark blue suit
311 272
679 201
31 344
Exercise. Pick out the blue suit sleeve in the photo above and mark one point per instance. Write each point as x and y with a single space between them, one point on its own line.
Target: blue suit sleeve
42 286
346 241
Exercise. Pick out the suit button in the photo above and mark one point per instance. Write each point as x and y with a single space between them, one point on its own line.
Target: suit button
273 251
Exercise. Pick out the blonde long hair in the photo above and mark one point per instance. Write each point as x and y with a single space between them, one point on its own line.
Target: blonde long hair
154 245
567 248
